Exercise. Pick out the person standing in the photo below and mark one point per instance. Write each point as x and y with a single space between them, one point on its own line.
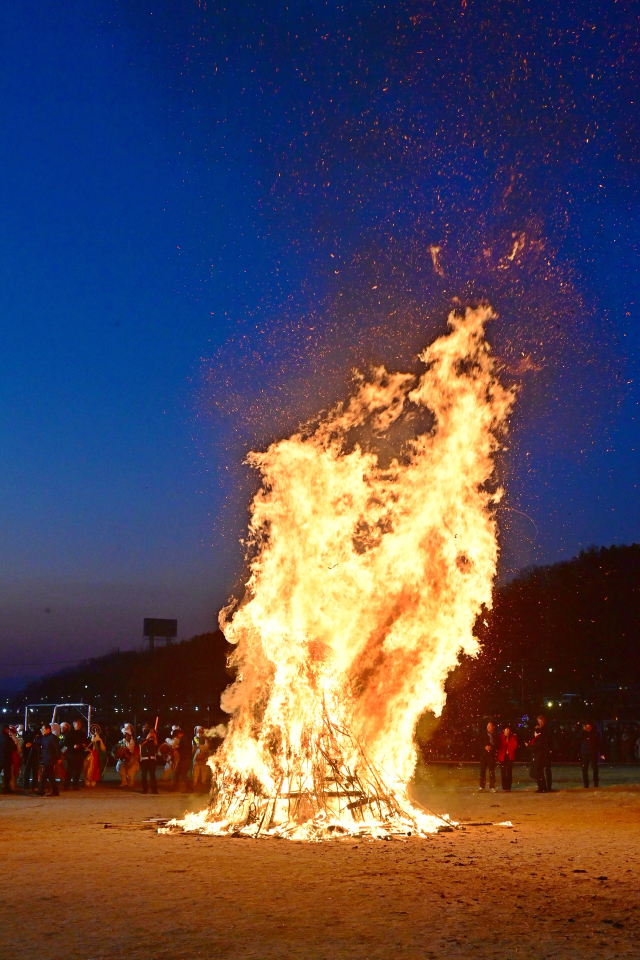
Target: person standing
626 746
7 746
184 760
50 754
96 754
17 733
541 747
548 734
148 746
489 743
30 757
169 752
506 754
76 743
201 754
127 756
590 750
612 743
16 759
64 737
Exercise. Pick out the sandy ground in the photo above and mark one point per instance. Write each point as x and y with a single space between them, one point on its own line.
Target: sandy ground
563 883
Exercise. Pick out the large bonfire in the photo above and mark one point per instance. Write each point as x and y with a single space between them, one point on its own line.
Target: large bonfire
371 558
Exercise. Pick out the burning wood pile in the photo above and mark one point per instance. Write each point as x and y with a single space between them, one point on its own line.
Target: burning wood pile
372 550
318 796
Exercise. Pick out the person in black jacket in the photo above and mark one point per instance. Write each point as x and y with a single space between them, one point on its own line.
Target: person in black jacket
76 742
541 747
148 744
489 744
590 750
49 755
31 757
7 747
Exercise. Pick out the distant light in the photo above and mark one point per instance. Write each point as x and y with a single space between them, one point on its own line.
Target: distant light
549 704
550 669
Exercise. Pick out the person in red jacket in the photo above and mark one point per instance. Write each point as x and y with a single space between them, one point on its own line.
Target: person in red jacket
506 753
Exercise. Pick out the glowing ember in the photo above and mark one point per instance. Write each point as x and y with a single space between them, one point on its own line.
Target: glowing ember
373 546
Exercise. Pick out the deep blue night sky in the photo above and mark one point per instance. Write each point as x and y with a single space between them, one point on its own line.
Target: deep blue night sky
210 214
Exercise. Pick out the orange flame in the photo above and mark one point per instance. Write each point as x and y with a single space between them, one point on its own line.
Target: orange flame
368 573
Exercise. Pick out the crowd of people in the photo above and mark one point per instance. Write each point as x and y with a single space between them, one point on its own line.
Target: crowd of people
67 755
459 741
498 748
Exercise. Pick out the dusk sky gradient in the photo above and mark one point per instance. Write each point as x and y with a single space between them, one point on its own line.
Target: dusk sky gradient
210 214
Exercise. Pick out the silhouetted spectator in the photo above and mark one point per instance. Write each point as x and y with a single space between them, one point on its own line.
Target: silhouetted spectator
590 749
31 759
612 744
16 759
64 738
127 756
184 760
7 746
148 746
506 754
169 753
541 747
626 747
96 757
19 738
76 742
201 753
489 743
50 753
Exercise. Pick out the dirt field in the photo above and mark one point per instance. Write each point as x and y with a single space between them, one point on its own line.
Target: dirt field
563 883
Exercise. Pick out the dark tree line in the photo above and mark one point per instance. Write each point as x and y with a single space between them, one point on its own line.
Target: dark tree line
182 678
569 628
566 635
562 639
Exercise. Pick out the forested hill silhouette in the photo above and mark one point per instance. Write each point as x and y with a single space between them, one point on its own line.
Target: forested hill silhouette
186 677
564 637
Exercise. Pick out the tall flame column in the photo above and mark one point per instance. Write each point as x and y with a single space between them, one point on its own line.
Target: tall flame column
367 574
